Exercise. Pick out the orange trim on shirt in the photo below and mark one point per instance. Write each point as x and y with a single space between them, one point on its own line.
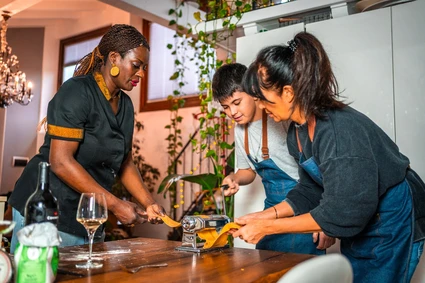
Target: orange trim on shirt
64 132
102 85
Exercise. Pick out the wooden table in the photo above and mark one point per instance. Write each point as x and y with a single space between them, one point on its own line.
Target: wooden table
225 265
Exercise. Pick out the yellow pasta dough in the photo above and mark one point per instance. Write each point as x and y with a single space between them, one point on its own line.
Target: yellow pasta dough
170 222
213 239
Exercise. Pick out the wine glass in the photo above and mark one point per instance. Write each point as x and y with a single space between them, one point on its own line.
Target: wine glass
5 227
91 213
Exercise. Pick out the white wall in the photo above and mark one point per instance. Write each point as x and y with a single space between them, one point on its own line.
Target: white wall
378 58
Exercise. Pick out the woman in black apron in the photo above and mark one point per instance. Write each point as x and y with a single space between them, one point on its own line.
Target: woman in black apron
354 182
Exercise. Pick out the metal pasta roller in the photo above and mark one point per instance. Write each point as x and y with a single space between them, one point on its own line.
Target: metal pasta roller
192 224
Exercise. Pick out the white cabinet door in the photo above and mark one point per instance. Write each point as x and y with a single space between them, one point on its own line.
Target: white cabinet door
359 47
409 85
247 47
409 81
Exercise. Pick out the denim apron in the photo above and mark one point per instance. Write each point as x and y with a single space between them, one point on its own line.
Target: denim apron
382 251
277 184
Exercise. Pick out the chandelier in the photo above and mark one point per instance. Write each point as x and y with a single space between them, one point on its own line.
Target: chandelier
13 84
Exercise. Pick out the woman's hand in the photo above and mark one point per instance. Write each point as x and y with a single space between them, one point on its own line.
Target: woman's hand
252 231
154 212
128 213
233 185
324 241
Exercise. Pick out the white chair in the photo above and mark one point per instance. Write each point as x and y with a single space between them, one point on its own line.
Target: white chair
330 268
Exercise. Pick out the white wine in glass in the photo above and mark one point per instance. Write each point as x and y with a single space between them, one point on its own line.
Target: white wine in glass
91 213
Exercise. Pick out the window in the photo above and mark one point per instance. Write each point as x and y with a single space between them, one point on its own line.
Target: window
74 48
157 85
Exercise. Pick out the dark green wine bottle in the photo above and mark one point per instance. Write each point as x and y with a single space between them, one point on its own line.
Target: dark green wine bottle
42 206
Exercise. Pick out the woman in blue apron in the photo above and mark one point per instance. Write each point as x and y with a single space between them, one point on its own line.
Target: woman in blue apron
354 182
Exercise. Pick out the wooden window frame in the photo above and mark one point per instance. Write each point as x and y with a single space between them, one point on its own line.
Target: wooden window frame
72 40
163 104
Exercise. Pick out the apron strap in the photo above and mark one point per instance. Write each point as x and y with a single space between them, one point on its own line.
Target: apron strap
311 128
246 143
264 148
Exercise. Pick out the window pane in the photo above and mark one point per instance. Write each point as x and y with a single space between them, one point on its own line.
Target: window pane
68 72
74 52
161 65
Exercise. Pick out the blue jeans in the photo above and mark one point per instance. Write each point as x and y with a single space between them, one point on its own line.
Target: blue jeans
66 238
417 250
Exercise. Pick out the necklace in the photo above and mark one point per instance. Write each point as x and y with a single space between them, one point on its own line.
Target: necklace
115 96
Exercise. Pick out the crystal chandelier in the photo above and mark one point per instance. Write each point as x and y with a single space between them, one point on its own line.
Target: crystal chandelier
13 84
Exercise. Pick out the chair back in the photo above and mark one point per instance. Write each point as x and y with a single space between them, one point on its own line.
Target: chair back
330 268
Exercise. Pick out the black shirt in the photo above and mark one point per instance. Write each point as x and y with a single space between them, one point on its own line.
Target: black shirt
359 163
81 112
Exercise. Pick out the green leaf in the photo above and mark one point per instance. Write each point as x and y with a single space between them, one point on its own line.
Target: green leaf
238 3
172 22
231 159
171 11
247 8
165 184
197 16
223 13
225 145
211 153
207 181
174 76
169 46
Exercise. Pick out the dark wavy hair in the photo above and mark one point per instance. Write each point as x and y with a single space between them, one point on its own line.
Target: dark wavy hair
227 80
119 38
305 66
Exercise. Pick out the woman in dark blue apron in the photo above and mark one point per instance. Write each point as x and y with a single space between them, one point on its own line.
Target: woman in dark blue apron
354 182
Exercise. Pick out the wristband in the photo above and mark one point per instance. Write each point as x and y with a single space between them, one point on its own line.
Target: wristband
275 211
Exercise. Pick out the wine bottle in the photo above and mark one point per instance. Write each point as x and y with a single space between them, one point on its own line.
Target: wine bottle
42 206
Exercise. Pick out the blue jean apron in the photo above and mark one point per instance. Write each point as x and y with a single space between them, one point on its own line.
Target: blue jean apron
382 251
277 184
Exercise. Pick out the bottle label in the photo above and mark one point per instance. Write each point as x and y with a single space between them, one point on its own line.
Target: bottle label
36 264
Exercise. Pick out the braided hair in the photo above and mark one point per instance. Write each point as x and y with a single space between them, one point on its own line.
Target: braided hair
119 38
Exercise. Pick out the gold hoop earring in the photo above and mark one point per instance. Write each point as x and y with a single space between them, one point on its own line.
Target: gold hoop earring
115 71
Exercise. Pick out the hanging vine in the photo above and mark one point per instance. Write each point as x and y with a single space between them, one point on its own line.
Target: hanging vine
214 127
